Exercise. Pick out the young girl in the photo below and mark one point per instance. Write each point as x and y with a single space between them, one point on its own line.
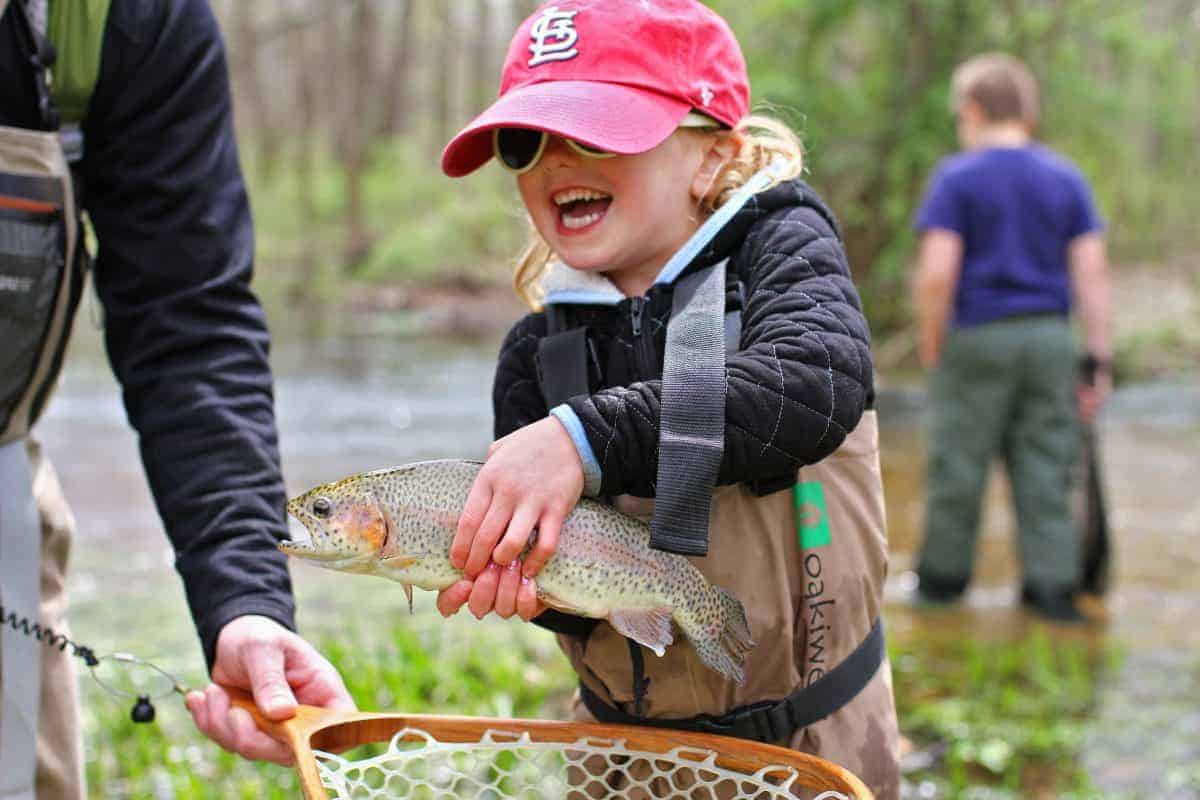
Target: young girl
697 356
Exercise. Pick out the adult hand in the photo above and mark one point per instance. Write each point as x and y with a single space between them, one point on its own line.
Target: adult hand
279 668
532 479
503 590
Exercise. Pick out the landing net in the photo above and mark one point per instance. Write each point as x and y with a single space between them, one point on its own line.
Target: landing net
506 764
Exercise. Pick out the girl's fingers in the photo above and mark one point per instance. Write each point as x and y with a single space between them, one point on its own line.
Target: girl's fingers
472 516
517 535
452 598
547 541
528 605
493 527
483 594
506 592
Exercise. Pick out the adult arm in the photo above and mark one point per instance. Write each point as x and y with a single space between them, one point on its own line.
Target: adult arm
939 264
187 338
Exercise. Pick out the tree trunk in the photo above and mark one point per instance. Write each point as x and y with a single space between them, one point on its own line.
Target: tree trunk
394 117
305 157
356 130
245 50
486 69
445 53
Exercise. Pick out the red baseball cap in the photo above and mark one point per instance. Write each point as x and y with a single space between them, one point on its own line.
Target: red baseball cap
618 75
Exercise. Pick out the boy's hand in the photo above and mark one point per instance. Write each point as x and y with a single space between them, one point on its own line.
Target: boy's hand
1090 397
532 479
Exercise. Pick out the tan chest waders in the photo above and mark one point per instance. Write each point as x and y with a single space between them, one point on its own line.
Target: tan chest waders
42 268
808 561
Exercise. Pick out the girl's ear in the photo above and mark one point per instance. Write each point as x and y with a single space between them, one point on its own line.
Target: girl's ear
724 148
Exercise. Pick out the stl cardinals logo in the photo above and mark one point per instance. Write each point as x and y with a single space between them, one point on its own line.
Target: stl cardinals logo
553 36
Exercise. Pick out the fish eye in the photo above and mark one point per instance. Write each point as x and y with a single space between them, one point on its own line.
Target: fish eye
322 507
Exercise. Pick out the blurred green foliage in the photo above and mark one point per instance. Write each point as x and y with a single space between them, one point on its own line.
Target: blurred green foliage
999 718
866 82
1005 718
427 666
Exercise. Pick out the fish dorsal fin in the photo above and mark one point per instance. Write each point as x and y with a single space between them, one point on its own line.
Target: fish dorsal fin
649 628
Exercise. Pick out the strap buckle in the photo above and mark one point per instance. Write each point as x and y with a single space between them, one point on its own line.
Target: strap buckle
764 722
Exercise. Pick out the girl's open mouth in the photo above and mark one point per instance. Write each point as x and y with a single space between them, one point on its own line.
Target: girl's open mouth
580 208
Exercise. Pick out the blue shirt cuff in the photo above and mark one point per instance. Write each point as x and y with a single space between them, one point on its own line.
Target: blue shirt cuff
591 467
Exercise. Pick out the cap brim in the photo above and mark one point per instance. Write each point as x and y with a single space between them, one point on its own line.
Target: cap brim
607 116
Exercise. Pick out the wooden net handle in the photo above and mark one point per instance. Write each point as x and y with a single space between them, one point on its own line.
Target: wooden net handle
333 731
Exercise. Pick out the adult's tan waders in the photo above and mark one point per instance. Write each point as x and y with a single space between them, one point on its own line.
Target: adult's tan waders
42 266
808 562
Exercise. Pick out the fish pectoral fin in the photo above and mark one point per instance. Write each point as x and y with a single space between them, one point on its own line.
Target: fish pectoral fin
398 561
650 628
408 594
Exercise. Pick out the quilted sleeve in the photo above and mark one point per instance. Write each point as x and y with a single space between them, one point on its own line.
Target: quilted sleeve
801 379
798 384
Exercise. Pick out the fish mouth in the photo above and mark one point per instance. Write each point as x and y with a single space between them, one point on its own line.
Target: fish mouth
307 551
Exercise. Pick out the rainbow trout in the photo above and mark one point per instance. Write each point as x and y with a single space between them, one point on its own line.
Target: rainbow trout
399 523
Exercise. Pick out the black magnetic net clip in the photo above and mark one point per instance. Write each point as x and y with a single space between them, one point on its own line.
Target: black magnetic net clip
143 710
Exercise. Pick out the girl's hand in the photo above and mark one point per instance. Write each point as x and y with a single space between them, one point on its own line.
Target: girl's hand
532 479
501 589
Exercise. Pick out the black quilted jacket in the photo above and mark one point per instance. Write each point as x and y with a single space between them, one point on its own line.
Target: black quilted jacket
796 387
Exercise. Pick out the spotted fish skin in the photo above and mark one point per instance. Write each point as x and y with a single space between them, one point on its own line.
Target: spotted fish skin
399 523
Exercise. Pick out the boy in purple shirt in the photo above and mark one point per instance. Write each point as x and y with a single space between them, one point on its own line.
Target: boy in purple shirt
1011 245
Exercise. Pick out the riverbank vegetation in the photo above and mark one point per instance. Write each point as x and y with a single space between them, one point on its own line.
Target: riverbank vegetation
342 112
1000 718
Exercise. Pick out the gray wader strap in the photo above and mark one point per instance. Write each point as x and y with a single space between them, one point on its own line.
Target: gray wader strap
773 720
20 655
692 416
564 357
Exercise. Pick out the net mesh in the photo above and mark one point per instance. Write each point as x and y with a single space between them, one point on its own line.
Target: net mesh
506 764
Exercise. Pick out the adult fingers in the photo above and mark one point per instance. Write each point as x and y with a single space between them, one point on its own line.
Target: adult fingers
452 598
517 535
483 593
472 516
549 527
233 728
506 591
264 667
250 742
494 525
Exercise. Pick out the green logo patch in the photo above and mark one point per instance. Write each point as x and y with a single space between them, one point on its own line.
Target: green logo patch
812 519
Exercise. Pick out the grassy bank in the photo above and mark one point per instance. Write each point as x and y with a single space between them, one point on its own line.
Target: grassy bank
1001 719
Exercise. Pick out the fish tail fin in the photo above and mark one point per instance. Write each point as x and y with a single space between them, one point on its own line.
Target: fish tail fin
723 639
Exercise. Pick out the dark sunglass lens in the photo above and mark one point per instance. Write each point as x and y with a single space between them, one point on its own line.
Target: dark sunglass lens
518 146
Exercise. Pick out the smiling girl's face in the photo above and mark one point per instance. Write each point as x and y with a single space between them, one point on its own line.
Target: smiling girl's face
623 216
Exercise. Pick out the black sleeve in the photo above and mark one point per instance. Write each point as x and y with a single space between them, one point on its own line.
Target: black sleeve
185 335
516 394
795 389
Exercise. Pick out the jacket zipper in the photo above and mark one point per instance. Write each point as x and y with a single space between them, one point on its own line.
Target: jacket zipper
641 339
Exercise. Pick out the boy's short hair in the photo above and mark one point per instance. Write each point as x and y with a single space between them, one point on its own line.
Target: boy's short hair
1002 85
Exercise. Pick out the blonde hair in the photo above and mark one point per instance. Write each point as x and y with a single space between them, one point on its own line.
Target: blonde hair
1002 85
765 140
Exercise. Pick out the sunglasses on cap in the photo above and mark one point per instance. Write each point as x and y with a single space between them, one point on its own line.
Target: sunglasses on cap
519 149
